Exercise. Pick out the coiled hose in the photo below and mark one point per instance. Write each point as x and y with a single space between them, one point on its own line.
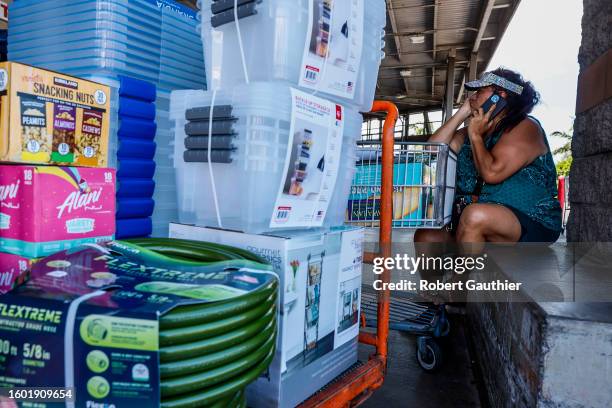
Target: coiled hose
210 352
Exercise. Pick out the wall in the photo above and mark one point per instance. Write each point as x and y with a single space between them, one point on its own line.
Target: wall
591 173
532 355
508 338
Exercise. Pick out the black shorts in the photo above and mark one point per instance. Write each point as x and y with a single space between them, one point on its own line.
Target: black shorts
532 231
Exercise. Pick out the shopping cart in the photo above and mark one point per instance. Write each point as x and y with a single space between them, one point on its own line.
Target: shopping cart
357 384
423 185
423 194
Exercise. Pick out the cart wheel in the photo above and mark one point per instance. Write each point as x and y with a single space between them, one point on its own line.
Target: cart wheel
445 328
429 355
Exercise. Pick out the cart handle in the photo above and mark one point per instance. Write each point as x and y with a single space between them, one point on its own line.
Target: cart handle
357 385
379 339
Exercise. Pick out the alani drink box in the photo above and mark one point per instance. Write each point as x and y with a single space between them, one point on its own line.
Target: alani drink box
45 209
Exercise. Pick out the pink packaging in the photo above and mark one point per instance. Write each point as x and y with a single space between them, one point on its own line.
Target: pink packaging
13 271
45 209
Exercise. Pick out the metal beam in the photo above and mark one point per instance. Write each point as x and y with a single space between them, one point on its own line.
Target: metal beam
398 43
427 122
462 86
450 87
416 66
395 33
484 20
441 48
435 30
473 66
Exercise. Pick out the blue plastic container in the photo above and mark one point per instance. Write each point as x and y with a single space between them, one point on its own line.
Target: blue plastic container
135 149
135 227
135 188
137 89
135 207
134 168
137 128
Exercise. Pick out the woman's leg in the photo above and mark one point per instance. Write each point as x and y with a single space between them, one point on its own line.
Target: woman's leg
432 243
488 223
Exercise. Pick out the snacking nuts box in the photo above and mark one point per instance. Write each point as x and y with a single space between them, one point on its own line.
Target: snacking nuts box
47 209
52 118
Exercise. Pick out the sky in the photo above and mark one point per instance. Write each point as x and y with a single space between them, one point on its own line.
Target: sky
542 43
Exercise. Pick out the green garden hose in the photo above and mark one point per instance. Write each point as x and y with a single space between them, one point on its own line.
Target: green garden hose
188 334
210 352
213 360
189 315
203 397
213 344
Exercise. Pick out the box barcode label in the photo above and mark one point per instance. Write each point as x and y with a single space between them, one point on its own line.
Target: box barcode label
311 74
282 214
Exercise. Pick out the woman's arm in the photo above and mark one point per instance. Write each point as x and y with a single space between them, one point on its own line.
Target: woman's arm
517 149
448 133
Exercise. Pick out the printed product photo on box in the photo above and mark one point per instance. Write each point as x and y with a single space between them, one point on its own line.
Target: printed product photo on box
320 292
122 325
45 209
52 118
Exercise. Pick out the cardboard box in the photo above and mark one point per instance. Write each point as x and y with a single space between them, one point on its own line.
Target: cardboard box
320 277
46 209
85 321
14 271
51 118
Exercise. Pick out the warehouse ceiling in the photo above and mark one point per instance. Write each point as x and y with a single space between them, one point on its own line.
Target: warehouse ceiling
428 39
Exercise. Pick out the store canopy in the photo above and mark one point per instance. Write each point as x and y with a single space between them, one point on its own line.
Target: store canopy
433 47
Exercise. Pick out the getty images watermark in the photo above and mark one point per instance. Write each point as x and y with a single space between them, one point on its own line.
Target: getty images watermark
458 265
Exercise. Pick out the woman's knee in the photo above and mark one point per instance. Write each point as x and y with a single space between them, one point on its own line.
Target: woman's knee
473 217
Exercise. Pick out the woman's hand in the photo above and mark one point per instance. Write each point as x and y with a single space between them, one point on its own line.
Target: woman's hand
481 123
465 111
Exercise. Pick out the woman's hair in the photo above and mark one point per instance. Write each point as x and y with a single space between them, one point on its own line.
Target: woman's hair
519 106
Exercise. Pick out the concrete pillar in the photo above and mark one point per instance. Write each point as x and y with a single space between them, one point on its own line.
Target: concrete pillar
591 174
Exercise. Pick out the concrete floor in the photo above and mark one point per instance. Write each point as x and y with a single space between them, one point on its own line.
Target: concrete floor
407 385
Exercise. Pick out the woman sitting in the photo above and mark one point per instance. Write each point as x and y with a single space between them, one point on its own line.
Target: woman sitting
506 177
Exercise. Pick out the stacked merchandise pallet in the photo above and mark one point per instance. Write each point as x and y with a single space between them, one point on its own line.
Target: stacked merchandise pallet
266 158
149 40
135 154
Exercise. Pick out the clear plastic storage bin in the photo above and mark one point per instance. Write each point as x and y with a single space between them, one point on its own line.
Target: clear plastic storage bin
274 40
248 182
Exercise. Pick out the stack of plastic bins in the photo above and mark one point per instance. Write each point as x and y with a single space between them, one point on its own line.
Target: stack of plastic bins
274 34
3 45
150 40
251 130
135 154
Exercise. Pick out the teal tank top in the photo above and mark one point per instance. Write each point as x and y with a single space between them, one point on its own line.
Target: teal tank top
531 190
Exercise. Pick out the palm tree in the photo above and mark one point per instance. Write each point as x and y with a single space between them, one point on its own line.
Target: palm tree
565 152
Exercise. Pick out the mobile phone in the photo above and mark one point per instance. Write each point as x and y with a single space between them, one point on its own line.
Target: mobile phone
497 100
